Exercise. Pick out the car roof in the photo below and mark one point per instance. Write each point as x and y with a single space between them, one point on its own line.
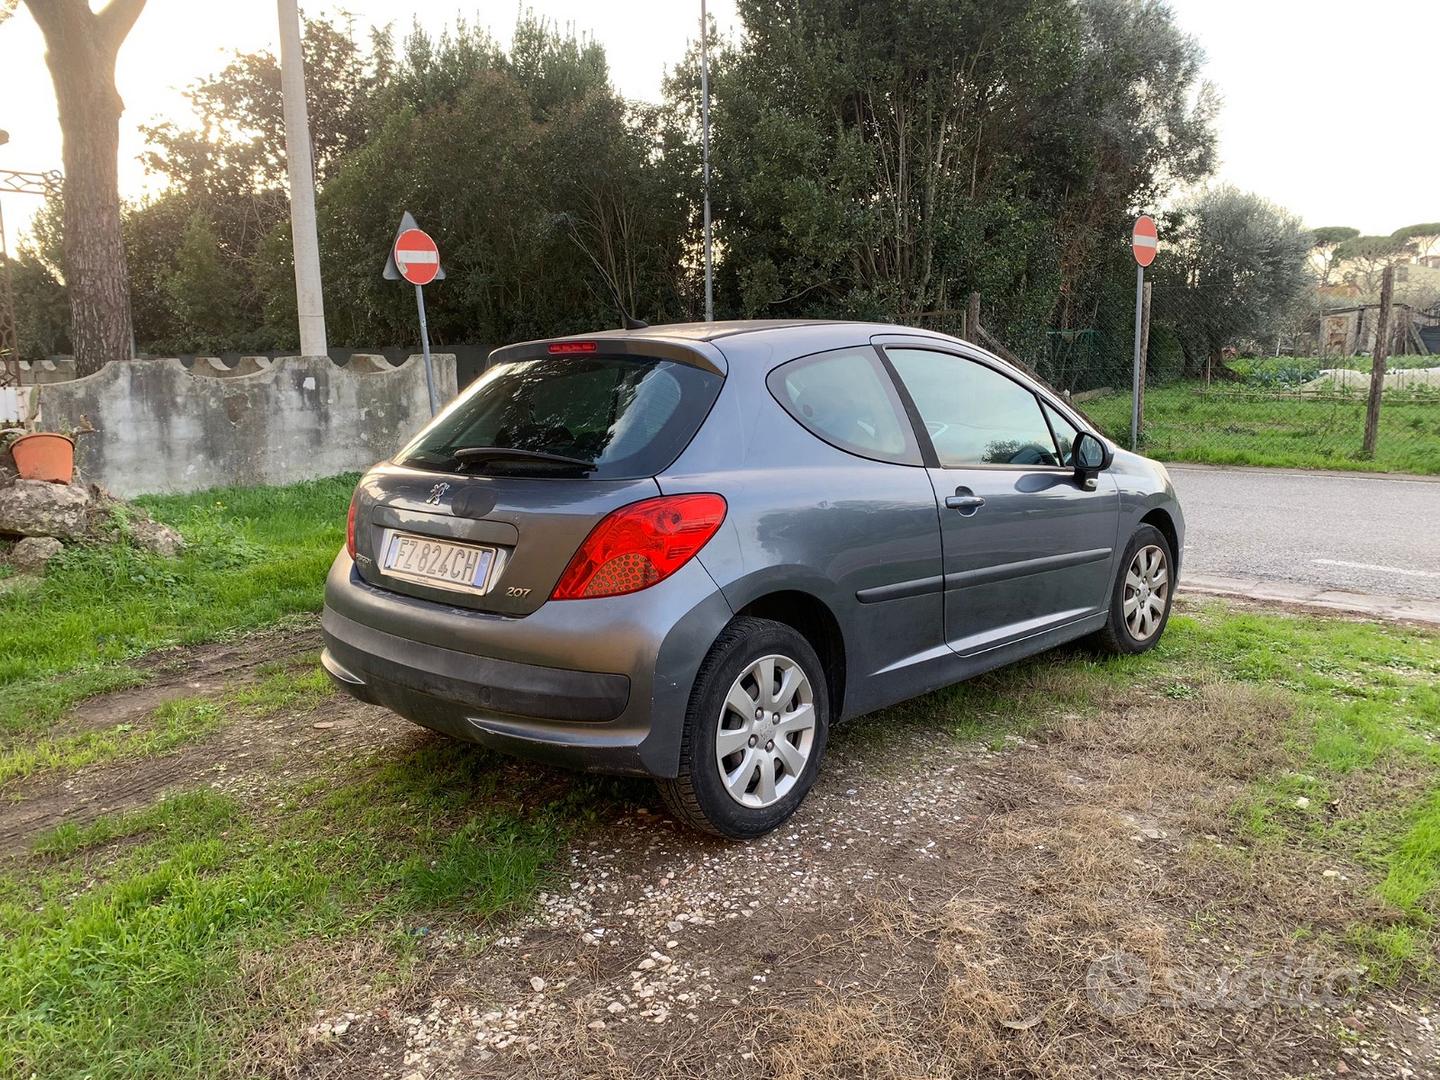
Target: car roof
693 343
715 345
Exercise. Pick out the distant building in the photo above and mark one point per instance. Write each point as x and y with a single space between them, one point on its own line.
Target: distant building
1422 273
1351 330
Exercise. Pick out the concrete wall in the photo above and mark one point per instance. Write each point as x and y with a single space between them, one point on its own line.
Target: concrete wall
470 361
52 369
162 428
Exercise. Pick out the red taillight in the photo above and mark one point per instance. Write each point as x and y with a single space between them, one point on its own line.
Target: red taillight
572 346
350 526
640 544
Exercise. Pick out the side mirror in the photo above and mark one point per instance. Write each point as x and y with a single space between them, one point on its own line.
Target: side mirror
1091 455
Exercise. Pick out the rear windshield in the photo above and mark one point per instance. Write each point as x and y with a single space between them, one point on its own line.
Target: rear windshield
627 416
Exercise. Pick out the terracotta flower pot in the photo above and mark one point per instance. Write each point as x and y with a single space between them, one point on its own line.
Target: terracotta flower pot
43 455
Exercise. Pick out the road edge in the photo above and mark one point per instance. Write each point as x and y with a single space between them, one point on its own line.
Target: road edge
1318 597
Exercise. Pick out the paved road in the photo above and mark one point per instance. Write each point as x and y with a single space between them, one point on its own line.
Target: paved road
1354 533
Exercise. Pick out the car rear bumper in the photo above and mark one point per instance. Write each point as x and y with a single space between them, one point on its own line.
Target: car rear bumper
598 685
481 684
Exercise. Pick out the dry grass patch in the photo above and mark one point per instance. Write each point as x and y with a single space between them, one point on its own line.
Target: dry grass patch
1113 891
281 991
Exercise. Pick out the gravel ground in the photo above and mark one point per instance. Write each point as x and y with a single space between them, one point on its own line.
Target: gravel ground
907 923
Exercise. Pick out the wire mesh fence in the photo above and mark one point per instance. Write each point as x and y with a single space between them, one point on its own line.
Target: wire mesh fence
1301 402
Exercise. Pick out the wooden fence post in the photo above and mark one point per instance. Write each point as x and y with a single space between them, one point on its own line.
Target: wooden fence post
1144 352
972 318
1377 363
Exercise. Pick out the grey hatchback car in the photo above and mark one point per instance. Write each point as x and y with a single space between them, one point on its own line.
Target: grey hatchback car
686 551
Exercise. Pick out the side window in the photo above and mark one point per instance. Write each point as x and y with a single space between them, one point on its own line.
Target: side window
975 415
1065 433
845 398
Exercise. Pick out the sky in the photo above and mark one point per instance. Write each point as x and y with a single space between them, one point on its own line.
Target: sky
1313 91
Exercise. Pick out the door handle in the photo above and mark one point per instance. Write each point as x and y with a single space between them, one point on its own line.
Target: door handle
966 504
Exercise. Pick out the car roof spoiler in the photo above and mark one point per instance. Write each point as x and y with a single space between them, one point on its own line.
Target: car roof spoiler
699 354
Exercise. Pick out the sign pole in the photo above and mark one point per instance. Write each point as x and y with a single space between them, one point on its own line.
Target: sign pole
1144 239
1135 376
425 348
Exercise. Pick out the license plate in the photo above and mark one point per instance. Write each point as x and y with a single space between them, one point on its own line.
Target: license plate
439 563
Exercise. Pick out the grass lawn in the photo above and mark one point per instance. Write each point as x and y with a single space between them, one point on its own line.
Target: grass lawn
254 557
160 942
1234 427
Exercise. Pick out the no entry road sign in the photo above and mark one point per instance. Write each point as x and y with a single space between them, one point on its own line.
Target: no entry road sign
1143 240
416 256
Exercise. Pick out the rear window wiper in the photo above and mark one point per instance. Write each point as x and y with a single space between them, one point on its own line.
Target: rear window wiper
509 453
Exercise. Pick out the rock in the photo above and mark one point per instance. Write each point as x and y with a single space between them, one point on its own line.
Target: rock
19 583
1302 803
32 553
537 983
157 538
38 508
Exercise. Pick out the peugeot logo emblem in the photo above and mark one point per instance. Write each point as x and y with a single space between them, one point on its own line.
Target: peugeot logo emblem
437 493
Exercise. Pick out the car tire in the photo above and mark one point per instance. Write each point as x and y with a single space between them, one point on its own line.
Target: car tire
746 807
1125 632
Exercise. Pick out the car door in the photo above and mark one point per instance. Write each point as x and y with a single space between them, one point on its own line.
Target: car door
1026 546
837 494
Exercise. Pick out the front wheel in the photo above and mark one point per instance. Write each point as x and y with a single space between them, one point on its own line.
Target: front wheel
755 732
1140 600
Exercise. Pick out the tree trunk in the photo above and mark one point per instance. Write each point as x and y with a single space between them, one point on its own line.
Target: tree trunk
1221 370
81 46
95 269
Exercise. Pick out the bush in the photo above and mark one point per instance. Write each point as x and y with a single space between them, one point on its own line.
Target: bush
1277 372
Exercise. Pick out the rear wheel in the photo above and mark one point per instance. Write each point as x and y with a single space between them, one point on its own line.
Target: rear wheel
1140 601
755 732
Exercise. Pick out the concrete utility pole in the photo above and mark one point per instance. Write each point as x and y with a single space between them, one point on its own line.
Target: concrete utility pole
309 299
705 156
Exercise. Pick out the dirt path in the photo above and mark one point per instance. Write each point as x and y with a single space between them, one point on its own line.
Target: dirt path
243 757
187 672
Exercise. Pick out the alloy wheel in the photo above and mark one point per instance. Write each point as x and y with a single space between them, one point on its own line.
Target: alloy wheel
1147 586
766 731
